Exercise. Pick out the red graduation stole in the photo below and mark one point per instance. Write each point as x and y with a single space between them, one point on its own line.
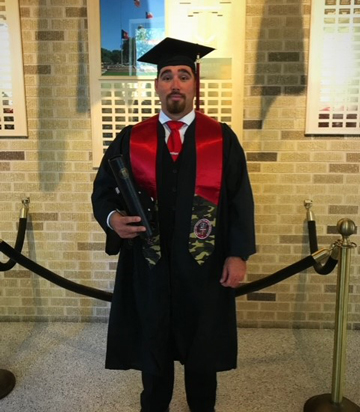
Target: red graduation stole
209 169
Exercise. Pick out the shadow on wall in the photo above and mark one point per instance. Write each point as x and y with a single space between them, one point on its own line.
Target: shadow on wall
82 102
62 92
280 68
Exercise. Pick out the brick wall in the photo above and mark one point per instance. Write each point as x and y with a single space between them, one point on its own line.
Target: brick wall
287 167
53 167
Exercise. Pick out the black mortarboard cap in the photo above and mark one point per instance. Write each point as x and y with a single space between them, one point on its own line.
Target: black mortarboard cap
174 52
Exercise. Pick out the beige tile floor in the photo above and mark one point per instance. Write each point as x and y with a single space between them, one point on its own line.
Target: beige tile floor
59 367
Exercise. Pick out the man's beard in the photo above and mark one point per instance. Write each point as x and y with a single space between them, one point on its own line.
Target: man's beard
175 106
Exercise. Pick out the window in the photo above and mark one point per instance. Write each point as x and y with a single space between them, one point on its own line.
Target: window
12 97
333 105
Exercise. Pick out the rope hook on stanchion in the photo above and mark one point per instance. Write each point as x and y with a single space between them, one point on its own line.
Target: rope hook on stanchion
335 401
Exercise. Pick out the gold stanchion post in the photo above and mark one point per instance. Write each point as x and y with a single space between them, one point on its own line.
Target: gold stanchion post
7 378
7 382
335 402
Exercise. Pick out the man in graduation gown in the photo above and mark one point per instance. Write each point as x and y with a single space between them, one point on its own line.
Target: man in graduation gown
174 293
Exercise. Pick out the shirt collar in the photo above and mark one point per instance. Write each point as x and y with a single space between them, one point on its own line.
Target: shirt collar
187 119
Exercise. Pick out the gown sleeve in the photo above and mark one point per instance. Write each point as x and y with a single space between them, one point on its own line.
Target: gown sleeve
240 202
104 197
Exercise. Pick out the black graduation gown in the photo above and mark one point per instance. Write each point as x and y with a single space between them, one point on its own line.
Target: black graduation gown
178 309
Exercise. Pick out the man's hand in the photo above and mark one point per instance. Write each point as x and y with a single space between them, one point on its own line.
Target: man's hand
122 225
234 272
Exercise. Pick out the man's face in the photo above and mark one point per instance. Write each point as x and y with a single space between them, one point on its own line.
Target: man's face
176 88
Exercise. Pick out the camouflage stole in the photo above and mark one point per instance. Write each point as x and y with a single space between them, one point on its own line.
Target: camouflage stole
209 168
209 165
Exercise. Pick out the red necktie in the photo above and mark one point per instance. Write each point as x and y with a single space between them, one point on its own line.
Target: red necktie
174 142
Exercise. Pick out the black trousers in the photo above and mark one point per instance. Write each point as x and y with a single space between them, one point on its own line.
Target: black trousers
200 390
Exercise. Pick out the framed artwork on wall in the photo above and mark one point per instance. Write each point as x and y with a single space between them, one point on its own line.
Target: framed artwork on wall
128 30
333 100
13 121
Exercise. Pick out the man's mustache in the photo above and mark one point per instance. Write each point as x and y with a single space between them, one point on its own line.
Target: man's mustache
175 94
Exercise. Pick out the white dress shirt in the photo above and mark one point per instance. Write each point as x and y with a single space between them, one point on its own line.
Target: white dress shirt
187 119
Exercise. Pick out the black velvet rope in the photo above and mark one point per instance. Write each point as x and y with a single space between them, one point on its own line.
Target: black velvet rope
276 277
329 265
16 257
107 296
53 277
19 243
312 236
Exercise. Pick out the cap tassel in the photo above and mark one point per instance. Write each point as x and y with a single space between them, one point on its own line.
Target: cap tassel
197 101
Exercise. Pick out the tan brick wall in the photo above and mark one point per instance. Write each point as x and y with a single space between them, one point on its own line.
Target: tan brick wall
53 167
288 167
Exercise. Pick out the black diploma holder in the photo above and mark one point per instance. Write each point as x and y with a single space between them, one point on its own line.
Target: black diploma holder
131 196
